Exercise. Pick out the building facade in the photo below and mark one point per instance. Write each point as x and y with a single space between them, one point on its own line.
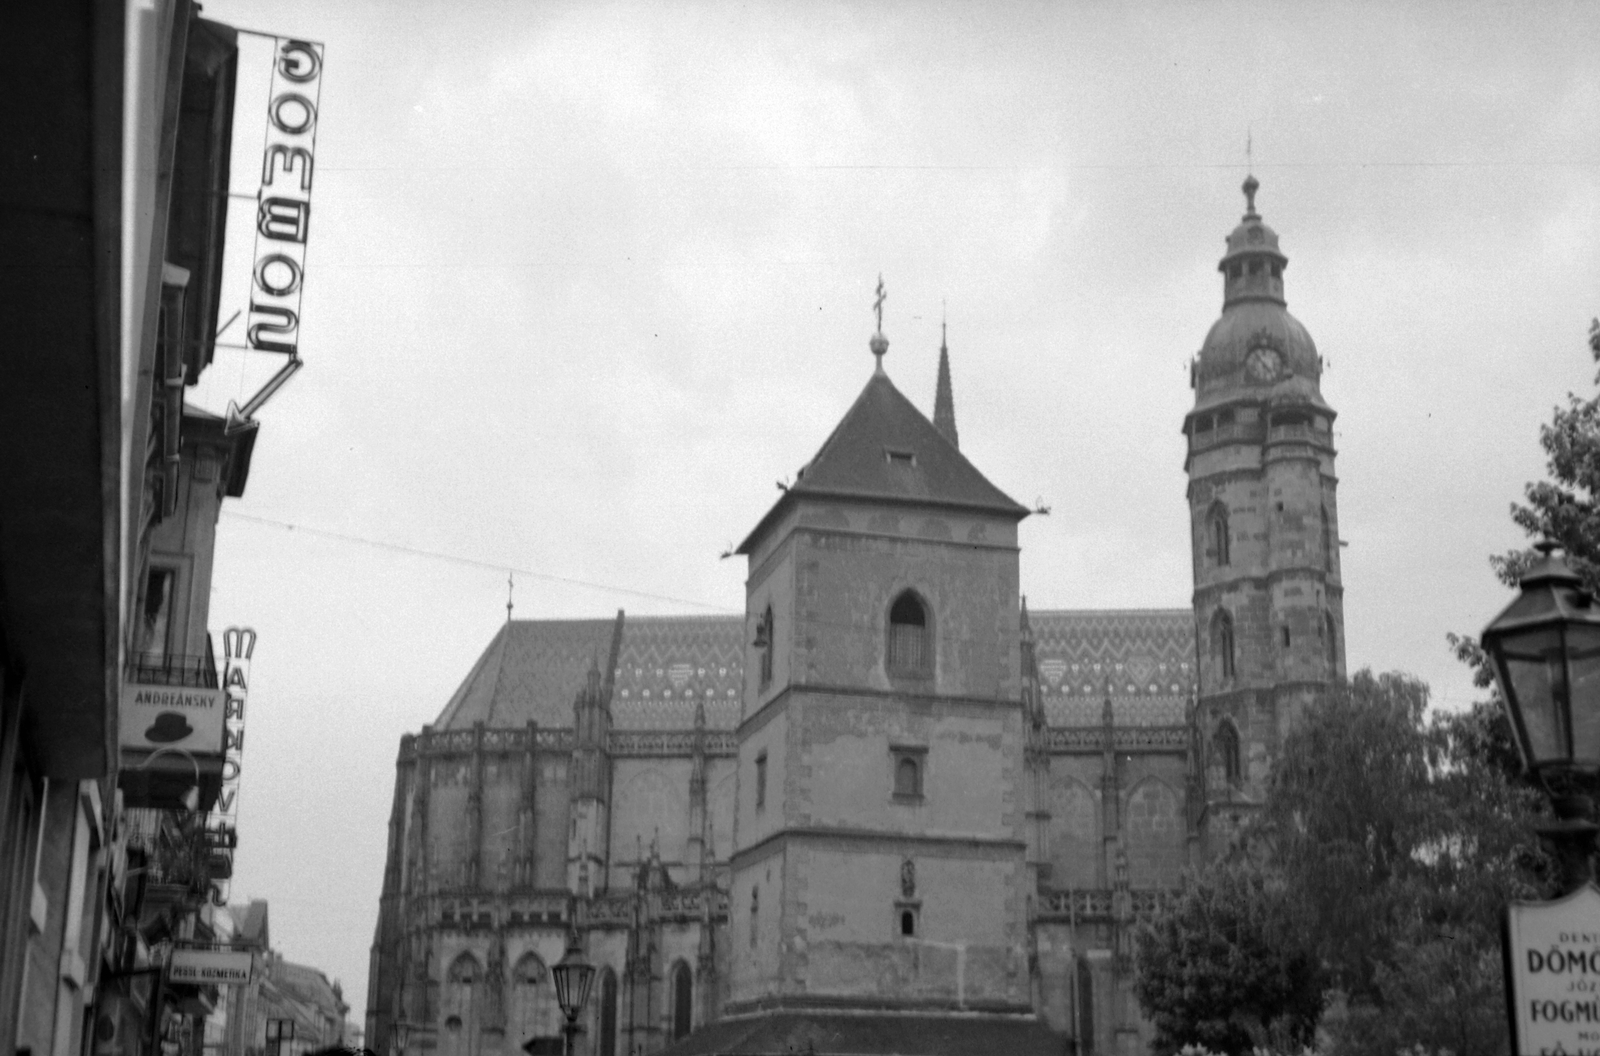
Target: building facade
891 807
109 496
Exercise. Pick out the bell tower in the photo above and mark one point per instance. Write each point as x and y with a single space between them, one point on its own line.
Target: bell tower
1268 602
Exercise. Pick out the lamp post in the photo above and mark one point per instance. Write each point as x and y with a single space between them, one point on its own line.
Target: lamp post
1545 653
573 975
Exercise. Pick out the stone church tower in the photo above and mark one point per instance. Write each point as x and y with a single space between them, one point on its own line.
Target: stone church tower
1268 604
881 755
890 806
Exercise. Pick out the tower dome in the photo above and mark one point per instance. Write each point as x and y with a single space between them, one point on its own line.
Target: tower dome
1257 345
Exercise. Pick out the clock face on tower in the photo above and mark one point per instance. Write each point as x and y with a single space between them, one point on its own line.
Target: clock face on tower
1263 363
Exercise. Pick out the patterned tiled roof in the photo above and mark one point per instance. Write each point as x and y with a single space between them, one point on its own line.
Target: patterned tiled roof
854 461
1144 658
666 665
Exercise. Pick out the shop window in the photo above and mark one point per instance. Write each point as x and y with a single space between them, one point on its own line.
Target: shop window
910 641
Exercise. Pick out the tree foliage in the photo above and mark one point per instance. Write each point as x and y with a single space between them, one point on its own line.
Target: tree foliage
1565 508
1386 846
1221 969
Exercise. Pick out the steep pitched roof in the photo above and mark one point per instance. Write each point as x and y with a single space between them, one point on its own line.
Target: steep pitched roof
666 667
884 449
532 671
660 667
250 923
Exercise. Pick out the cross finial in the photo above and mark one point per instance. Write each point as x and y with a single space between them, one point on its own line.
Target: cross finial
879 344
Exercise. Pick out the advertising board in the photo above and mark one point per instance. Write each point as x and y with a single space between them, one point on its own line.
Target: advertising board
186 717
213 967
1553 975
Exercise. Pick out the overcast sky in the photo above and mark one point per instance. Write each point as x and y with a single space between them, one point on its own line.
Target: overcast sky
585 280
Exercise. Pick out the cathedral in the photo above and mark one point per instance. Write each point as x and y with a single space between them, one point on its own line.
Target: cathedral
891 808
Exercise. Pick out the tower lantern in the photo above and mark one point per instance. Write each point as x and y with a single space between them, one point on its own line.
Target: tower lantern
1268 602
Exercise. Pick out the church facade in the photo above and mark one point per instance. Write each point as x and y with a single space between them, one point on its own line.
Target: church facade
891 807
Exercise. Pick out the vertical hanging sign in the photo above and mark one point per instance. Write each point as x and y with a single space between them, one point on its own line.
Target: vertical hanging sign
238 644
283 215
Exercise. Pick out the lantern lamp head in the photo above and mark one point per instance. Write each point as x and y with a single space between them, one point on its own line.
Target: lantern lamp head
572 976
1544 650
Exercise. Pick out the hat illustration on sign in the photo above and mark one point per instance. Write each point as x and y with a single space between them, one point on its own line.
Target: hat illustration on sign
169 726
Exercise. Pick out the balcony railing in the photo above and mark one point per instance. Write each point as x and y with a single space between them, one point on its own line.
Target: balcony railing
168 669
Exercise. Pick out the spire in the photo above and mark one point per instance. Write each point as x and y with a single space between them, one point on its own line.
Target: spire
879 344
944 403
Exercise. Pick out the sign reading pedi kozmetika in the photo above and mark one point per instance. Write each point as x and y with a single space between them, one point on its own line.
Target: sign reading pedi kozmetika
1553 975
187 717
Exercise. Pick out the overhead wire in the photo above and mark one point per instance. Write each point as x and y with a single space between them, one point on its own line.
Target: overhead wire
498 566
854 626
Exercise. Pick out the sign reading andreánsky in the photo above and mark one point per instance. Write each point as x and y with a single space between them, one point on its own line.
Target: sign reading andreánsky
1553 984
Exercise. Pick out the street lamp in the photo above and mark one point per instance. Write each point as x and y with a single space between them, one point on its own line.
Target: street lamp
1545 653
573 976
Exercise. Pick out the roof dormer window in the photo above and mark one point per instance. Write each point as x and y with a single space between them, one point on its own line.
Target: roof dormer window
900 457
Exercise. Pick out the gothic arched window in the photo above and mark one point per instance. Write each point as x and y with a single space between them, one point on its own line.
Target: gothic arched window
1331 633
1086 1003
460 985
764 643
682 1000
534 998
608 1013
1222 642
1217 534
1327 540
910 640
1226 745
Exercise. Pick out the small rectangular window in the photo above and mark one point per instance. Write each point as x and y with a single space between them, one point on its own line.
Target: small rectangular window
761 780
909 766
899 457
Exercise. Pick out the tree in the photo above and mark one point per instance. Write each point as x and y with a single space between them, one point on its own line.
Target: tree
1565 508
1221 968
1386 847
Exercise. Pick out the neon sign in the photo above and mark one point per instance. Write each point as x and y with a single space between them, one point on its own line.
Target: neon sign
238 643
283 217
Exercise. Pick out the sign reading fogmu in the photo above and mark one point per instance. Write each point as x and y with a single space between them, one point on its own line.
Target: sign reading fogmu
1552 954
